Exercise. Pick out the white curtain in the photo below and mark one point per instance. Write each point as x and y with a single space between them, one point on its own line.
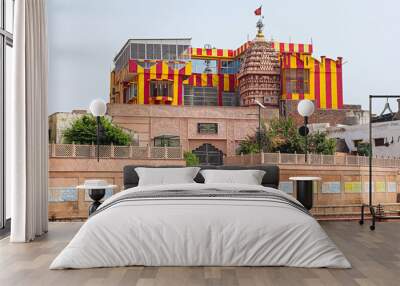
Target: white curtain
27 151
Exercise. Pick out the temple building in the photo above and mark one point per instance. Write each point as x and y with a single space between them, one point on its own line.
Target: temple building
203 99
259 74
172 72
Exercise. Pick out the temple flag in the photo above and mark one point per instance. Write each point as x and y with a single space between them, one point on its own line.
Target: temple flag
258 11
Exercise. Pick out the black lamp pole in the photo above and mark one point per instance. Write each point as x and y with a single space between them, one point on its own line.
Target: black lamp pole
98 108
98 137
259 128
306 137
370 152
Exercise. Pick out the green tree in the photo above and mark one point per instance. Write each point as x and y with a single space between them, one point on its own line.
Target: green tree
83 131
191 159
282 135
248 146
319 143
255 143
363 149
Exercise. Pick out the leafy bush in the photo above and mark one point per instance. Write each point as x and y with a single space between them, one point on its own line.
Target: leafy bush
248 146
83 131
319 143
363 149
191 159
283 136
255 143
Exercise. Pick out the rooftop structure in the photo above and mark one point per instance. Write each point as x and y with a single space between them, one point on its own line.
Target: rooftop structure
259 75
172 72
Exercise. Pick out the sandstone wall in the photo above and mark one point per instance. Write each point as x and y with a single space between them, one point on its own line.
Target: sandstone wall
149 121
66 202
342 190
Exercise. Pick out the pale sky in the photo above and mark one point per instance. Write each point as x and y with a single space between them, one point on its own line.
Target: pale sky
84 36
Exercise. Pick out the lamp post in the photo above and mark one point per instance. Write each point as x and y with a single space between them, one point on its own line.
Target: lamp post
260 105
98 108
305 109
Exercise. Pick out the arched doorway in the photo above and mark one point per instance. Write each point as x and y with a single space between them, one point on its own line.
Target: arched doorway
209 154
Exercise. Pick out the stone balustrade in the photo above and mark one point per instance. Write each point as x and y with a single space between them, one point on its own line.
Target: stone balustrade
114 152
313 159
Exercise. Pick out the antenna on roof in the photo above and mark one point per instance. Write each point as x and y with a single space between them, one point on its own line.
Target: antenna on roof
312 45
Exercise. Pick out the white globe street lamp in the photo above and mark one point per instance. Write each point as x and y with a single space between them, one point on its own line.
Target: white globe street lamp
98 108
306 109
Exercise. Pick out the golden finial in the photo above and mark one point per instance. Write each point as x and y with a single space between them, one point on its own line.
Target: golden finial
260 27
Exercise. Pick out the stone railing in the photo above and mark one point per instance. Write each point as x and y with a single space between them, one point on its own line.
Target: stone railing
313 159
114 152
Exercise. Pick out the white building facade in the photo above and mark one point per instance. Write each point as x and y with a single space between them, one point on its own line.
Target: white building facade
385 137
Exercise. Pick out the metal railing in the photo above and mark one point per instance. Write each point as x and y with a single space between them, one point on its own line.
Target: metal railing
114 152
313 159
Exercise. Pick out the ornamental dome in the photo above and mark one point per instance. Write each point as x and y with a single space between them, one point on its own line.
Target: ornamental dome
259 75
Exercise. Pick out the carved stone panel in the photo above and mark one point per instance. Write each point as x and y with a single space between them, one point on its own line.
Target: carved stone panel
259 75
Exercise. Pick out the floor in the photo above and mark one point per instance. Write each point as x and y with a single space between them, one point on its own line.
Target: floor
375 257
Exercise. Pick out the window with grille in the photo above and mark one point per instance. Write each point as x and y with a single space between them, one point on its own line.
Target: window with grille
161 88
200 96
150 51
131 92
183 52
379 142
207 128
208 96
229 67
230 99
167 141
204 66
157 52
205 96
297 81
134 54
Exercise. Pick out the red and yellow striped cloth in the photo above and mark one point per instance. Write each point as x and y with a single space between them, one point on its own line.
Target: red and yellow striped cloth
325 80
203 53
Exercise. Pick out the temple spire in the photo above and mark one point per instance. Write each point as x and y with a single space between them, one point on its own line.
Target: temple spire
259 75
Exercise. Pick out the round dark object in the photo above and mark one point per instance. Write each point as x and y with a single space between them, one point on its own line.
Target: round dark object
303 131
96 195
361 222
372 227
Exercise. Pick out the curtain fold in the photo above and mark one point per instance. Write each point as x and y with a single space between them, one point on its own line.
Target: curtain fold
27 158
